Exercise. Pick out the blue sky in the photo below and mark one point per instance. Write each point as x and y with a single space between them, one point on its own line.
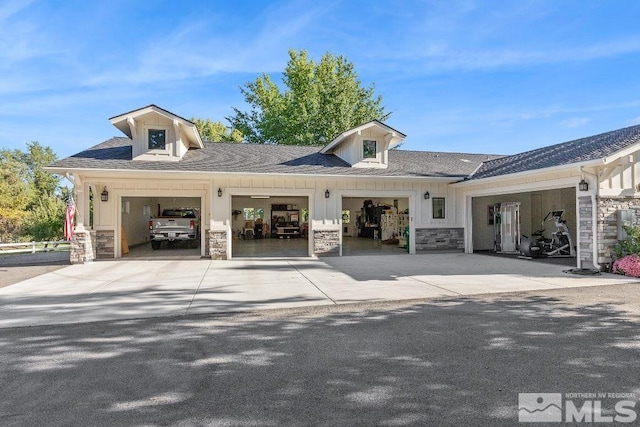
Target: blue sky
468 76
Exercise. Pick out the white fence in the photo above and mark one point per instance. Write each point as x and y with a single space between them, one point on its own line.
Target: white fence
33 247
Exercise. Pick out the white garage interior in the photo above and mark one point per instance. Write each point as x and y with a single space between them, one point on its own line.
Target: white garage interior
533 208
136 212
374 225
267 226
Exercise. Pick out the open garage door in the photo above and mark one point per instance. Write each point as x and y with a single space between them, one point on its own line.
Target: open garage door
546 216
175 222
374 225
270 226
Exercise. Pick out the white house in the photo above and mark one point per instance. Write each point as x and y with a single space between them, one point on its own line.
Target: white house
333 194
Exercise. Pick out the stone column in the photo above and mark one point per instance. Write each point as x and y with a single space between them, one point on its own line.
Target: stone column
83 247
326 242
585 231
105 247
218 244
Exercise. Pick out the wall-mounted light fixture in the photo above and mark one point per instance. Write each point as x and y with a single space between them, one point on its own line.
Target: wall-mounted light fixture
327 194
583 185
426 195
104 196
219 192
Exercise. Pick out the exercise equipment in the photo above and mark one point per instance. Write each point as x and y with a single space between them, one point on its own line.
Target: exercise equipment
559 245
530 247
506 227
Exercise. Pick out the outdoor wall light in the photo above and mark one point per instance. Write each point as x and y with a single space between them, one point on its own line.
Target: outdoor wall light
326 194
426 195
583 185
104 196
219 192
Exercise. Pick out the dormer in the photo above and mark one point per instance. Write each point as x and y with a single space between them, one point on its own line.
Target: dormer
157 134
365 146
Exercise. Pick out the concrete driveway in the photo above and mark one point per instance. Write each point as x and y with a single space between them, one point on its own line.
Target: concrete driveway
153 288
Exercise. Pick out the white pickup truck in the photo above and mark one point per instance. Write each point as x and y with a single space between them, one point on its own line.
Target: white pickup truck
178 224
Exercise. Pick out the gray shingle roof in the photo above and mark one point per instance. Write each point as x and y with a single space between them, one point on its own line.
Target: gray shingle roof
577 151
280 159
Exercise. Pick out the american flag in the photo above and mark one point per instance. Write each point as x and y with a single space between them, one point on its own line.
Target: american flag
68 217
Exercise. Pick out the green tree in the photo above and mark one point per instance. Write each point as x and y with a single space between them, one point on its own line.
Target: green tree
27 191
216 131
34 159
45 220
320 101
15 196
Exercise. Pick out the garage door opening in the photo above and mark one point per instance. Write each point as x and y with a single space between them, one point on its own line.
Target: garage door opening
270 226
161 227
546 216
374 225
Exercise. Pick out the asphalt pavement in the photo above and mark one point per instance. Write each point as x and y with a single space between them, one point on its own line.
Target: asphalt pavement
15 268
454 360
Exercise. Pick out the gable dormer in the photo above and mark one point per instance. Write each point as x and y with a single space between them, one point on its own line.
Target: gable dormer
365 146
157 134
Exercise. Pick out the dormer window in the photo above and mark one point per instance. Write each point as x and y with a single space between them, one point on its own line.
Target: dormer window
365 146
369 149
157 139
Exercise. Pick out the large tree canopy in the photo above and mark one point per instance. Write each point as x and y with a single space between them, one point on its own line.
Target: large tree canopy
320 101
31 203
216 131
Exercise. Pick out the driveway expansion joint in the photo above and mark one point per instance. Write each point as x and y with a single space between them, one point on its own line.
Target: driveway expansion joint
312 284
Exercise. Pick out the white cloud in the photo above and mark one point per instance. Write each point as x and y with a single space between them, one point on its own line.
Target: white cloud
193 50
575 122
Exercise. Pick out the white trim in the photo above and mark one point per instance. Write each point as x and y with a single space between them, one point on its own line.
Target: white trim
215 174
117 121
398 136
550 184
168 144
624 152
468 224
554 169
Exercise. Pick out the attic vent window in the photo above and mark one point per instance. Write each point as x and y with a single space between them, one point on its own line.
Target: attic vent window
157 139
369 149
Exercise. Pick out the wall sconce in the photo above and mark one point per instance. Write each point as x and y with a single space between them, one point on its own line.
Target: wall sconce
426 195
583 185
326 194
104 196
219 192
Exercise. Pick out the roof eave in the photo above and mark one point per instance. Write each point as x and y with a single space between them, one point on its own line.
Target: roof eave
471 180
114 172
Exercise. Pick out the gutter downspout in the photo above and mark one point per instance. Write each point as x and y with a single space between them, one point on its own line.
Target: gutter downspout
594 217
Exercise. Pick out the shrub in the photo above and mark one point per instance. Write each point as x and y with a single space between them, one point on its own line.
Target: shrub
628 265
631 244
